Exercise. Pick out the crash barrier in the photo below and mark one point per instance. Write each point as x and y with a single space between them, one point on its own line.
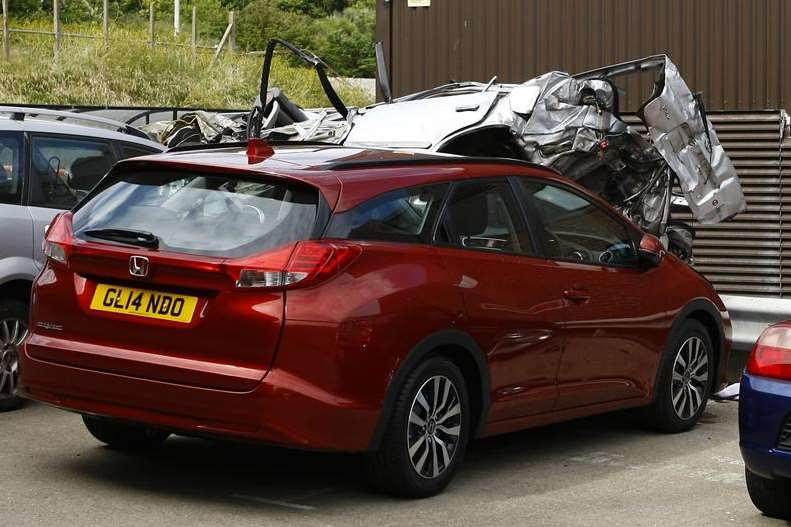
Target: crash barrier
751 315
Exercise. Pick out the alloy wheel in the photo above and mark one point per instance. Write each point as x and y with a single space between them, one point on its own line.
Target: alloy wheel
434 428
12 332
690 378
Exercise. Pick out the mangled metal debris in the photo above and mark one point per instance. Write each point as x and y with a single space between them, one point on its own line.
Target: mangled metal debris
197 127
571 123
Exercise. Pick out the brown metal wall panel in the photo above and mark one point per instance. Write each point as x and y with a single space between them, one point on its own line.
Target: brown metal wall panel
732 50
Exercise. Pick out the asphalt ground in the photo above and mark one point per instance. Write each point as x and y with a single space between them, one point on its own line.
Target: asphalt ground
607 470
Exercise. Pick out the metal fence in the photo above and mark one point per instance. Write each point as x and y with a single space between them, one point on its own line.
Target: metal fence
228 39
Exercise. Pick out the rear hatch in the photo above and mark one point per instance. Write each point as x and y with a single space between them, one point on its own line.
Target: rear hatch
147 279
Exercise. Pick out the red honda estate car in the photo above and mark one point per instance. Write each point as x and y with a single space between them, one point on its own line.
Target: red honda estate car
397 305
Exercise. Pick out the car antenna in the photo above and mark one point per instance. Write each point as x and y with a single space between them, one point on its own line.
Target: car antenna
382 77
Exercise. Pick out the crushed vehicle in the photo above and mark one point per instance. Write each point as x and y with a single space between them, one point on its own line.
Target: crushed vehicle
571 123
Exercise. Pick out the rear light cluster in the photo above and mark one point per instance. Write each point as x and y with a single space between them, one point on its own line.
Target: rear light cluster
771 356
300 265
58 238
309 263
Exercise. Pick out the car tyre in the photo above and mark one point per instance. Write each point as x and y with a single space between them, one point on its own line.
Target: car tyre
123 436
427 434
13 329
770 496
684 381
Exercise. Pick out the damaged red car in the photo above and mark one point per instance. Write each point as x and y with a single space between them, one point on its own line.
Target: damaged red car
334 298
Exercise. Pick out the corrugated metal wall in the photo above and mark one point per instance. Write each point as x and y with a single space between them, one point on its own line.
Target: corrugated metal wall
735 51
750 254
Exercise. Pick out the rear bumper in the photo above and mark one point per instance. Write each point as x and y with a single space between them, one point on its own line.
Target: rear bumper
764 406
283 409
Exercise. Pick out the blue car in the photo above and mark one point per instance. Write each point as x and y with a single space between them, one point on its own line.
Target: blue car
765 422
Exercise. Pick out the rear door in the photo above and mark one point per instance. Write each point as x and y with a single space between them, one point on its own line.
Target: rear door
62 171
614 316
513 307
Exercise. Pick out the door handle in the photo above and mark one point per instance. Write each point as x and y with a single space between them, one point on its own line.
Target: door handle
577 295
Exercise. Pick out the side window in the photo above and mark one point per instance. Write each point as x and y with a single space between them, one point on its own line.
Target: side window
63 169
483 215
131 150
10 168
402 216
578 230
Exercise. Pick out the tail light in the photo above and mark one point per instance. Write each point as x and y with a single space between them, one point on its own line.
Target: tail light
771 356
57 241
309 263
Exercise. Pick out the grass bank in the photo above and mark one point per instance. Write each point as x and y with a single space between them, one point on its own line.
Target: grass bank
129 71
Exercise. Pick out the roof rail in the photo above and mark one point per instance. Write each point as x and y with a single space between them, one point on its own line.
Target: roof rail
240 144
19 113
431 160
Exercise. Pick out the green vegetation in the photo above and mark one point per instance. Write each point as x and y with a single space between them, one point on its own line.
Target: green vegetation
130 72
339 31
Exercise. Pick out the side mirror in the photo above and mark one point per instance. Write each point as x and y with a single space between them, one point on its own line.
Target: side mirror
651 250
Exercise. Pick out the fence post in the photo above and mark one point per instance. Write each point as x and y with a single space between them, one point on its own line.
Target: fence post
232 36
176 17
106 20
151 36
223 42
56 26
194 40
6 36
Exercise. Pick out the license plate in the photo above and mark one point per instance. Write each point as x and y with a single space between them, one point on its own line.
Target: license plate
144 303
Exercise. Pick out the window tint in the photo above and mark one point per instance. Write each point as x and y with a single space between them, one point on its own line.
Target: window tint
402 216
65 169
200 214
483 215
10 168
577 229
129 150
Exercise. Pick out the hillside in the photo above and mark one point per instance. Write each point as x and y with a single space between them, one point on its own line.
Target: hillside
129 72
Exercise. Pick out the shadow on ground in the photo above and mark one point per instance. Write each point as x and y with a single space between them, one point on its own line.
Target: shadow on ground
243 476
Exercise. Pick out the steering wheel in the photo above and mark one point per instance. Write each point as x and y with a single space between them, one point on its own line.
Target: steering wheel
56 181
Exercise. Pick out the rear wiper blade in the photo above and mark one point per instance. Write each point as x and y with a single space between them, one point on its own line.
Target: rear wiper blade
140 238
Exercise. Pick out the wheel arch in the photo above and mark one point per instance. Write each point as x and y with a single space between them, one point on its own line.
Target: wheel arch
17 289
460 348
706 313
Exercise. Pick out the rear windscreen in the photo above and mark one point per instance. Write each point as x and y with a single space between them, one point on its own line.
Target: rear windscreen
213 215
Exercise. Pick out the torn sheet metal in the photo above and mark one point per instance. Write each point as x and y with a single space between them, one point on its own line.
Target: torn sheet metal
197 127
685 137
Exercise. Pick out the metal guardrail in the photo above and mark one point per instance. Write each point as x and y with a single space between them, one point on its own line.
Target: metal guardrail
750 315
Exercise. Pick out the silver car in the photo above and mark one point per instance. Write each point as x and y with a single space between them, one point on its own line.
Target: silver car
49 160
